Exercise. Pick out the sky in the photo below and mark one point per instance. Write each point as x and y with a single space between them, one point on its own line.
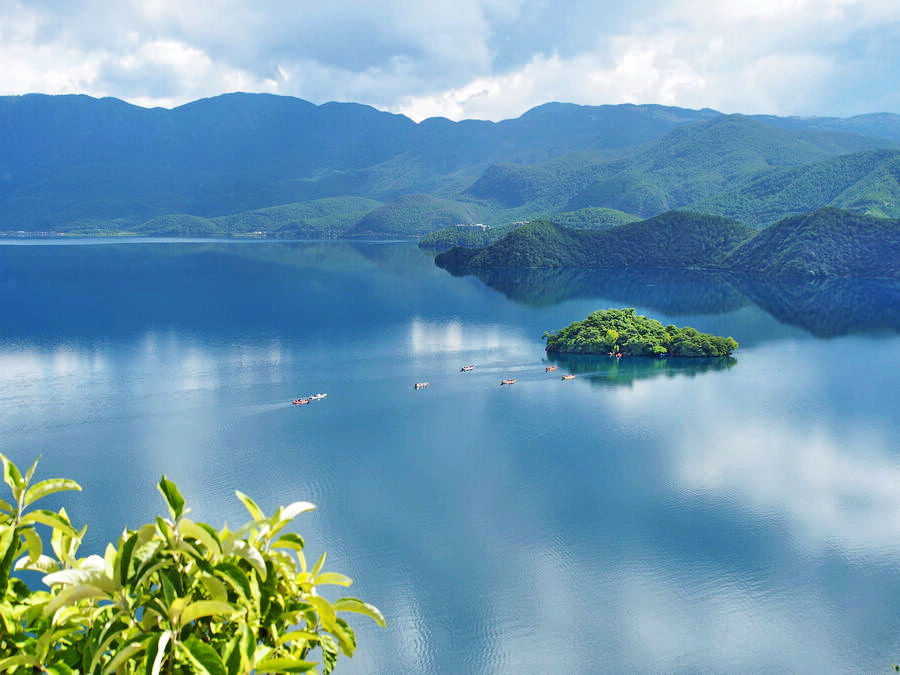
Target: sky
487 59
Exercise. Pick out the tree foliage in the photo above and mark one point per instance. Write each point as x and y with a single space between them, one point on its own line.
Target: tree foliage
626 332
173 596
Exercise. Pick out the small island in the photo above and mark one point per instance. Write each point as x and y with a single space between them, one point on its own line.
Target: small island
623 331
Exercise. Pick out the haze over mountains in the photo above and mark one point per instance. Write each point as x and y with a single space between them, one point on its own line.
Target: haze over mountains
255 162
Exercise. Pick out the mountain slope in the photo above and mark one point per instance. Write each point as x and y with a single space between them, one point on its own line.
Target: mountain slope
828 242
694 163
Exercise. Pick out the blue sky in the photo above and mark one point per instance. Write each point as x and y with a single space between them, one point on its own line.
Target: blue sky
465 58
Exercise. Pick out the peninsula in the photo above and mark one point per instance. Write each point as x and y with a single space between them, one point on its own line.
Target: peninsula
623 331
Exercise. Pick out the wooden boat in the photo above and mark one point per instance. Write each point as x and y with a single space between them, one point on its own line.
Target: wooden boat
550 369
420 385
508 381
466 369
568 377
301 401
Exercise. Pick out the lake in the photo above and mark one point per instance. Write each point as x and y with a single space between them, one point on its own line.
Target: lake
649 515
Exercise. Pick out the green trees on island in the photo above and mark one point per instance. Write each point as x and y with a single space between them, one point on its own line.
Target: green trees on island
626 332
173 596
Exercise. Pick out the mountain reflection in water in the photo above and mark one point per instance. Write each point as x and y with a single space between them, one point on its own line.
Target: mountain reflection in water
825 307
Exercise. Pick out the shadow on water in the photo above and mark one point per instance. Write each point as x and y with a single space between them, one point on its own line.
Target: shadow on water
826 307
608 371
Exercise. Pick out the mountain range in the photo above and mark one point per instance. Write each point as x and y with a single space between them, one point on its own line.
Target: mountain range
251 163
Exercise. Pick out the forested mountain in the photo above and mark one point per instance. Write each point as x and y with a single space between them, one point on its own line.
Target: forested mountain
696 162
258 162
592 218
828 242
673 240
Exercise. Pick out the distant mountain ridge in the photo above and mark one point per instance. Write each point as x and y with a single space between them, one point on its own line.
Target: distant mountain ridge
76 162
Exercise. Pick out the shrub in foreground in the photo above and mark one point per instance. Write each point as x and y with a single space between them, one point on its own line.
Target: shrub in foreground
173 596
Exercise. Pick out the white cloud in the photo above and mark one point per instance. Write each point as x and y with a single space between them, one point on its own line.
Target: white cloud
464 58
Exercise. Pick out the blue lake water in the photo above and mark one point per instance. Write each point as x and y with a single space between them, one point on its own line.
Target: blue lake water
648 515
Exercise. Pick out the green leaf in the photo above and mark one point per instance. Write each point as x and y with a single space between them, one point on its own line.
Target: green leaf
235 577
324 610
12 477
194 531
173 497
284 665
234 657
32 542
125 654
202 608
156 652
289 540
298 636
6 506
360 607
329 653
333 578
48 487
345 636
203 658
293 510
30 472
215 587
252 556
42 563
72 594
320 563
54 520
255 512
19 660
123 564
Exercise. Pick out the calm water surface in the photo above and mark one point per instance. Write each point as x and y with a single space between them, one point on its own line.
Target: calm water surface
648 515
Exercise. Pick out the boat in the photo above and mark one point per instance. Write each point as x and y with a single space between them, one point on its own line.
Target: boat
301 401
568 377
421 385
508 381
466 369
619 355
317 397
550 369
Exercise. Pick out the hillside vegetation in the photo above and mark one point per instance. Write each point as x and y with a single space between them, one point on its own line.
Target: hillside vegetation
412 215
867 182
